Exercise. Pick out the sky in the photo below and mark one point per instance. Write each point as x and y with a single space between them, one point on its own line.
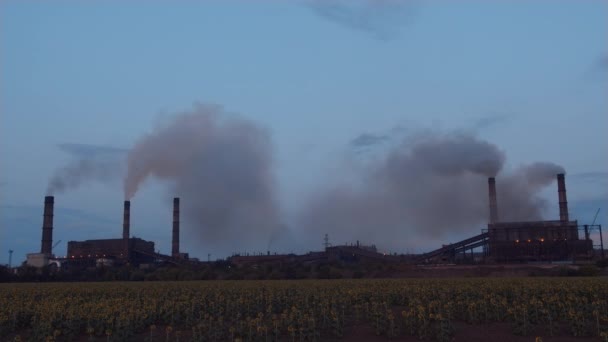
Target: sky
530 77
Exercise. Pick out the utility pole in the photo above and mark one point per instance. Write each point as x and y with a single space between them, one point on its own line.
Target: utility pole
326 243
208 257
10 258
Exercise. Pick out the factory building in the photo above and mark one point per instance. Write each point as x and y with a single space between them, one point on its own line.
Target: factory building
536 240
126 249
123 250
523 241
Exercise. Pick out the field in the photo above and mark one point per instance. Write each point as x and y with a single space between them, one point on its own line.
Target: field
419 309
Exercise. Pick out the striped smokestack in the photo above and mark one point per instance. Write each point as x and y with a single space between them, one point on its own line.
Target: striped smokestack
47 226
493 202
126 227
175 240
563 202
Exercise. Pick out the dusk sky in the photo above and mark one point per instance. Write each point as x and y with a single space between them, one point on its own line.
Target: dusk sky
334 84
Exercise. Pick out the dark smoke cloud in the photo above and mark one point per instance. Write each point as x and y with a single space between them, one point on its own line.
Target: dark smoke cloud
429 187
87 163
381 18
222 168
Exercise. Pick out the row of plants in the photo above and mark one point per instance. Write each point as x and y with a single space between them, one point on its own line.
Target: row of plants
304 310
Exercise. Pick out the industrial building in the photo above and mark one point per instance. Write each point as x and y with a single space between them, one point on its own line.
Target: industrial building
525 241
123 250
536 240
501 242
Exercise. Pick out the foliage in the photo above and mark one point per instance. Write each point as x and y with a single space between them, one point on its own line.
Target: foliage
302 309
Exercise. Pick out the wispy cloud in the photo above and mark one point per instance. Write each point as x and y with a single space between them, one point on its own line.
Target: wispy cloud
367 140
595 176
489 121
90 151
381 18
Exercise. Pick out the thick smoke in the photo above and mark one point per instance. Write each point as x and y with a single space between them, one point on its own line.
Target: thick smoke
87 163
222 168
428 188
517 192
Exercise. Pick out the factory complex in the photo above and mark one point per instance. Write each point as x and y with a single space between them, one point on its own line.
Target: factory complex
562 240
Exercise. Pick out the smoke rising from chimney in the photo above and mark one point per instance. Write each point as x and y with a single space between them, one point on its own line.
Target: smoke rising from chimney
222 169
518 191
87 163
428 187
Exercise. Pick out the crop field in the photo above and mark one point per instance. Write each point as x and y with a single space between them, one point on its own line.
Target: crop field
308 310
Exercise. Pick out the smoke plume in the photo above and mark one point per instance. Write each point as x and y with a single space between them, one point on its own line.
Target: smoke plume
222 168
517 192
429 187
87 163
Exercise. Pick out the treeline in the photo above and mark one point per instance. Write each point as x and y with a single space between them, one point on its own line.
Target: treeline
212 271
222 270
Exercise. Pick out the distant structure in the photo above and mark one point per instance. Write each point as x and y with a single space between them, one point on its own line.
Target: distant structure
537 240
501 242
106 252
46 246
524 241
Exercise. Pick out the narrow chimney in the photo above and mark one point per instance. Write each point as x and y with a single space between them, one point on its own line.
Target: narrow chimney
563 202
47 226
126 226
493 202
175 241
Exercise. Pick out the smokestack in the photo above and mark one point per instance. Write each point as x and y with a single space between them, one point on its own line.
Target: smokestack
493 202
126 226
47 226
563 202
175 241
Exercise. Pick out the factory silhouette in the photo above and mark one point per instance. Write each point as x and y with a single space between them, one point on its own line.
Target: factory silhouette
501 242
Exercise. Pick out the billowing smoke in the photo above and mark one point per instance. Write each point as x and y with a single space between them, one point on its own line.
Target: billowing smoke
87 163
517 192
428 188
222 168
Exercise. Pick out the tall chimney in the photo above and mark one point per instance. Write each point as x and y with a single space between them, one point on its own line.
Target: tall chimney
563 202
126 226
493 202
175 241
47 226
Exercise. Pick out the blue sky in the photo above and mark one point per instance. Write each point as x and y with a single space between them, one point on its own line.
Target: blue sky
530 77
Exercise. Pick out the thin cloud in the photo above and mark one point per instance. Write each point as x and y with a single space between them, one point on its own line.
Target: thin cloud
490 121
90 151
367 140
381 18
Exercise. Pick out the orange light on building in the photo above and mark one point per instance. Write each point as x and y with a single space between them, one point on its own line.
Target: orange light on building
542 239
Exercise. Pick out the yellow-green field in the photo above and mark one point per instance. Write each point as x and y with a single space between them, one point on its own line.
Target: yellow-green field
302 310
